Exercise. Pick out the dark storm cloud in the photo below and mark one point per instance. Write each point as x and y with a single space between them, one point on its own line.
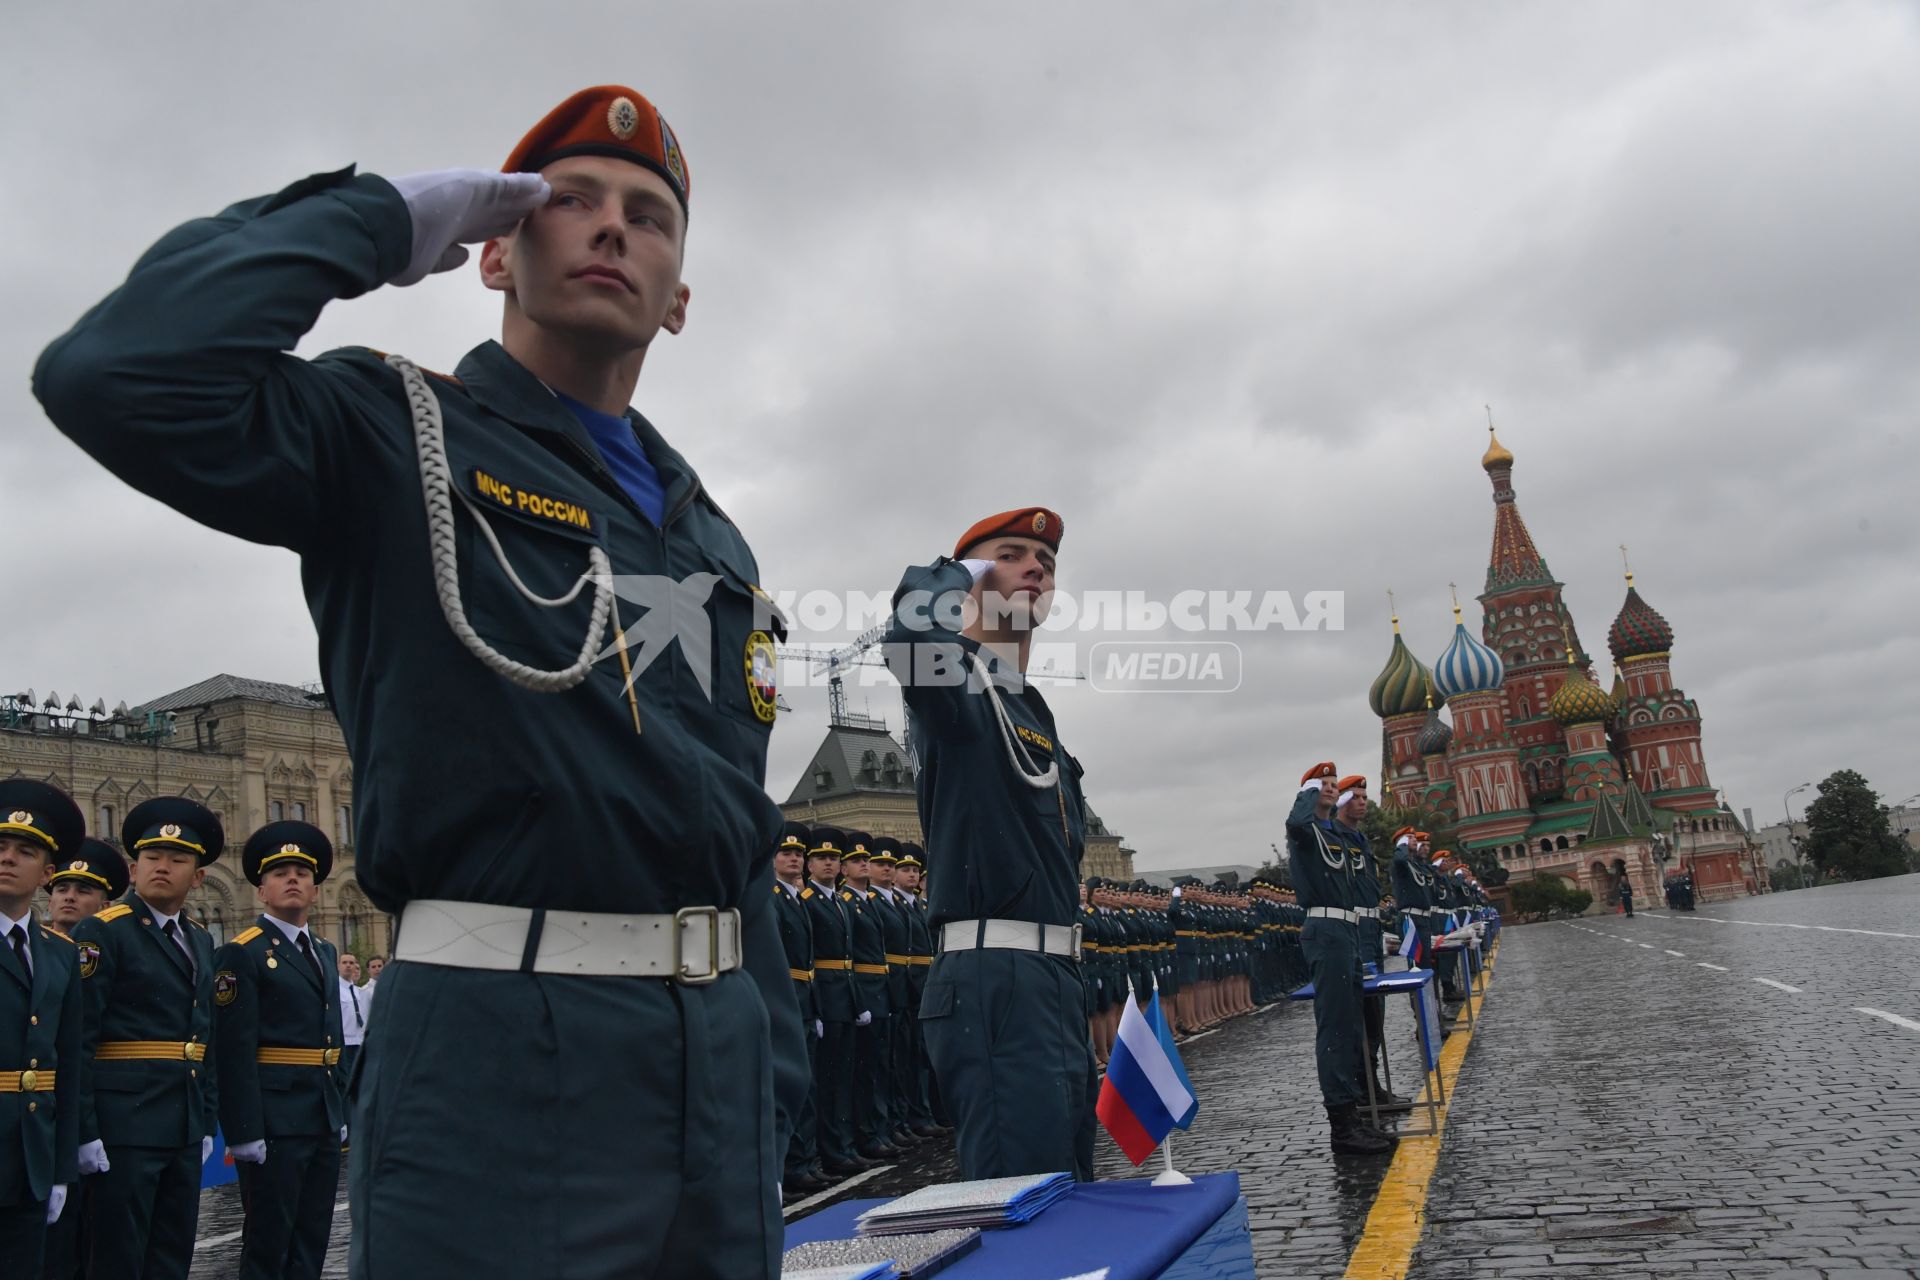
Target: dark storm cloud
1225 284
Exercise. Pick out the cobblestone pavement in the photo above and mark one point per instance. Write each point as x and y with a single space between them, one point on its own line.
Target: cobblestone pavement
1623 1110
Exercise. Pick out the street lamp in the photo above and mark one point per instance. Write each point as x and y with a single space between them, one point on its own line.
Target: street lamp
1799 863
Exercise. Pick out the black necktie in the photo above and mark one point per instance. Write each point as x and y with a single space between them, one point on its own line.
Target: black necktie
172 930
306 949
18 936
356 1001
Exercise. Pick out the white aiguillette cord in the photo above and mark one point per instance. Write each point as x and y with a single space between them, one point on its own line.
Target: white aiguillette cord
1016 753
429 438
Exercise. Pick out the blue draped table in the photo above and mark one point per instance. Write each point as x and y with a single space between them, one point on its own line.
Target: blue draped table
1135 1230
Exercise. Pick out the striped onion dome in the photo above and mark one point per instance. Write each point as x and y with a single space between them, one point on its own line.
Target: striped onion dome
1467 666
1639 630
1435 736
1401 687
1579 700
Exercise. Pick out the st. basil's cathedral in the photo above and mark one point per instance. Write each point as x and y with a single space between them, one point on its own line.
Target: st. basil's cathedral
1534 762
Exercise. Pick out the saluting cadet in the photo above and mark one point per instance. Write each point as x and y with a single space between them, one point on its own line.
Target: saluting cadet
1349 811
871 1060
149 1106
40 1024
470 530
796 935
1323 876
912 1074
1002 805
277 1039
1410 881
835 1002
84 883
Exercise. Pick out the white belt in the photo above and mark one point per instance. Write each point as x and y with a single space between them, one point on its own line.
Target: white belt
1012 935
1333 913
693 946
1367 913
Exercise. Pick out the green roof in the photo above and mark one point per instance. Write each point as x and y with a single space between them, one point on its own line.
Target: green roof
1560 818
1607 822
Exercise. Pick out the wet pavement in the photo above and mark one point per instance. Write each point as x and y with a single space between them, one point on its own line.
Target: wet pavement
1623 1110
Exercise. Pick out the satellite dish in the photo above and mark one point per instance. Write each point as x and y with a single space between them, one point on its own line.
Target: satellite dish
73 703
99 707
121 710
27 697
53 701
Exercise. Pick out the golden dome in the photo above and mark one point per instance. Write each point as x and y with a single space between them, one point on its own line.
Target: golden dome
1497 454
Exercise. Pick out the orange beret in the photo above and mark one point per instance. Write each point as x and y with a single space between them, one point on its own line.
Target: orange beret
606 120
1423 835
1405 831
1038 523
1352 782
1324 769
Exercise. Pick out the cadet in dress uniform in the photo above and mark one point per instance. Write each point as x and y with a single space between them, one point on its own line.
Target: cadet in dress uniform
83 885
912 1074
1323 876
796 935
1411 890
149 1106
835 1002
897 932
516 707
872 1118
277 1038
40 1025
1003 809
1350 808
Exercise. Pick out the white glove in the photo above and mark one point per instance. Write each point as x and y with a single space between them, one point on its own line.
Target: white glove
343 1135
456 207
254 1152
93 1157
866 1016
1311 786
819 1029
206 1148
56 1201
978 568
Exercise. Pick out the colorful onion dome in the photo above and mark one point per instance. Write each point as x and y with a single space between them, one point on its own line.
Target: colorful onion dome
1435 736
1401 687
1639 630
1578 700
1467 666
1497 454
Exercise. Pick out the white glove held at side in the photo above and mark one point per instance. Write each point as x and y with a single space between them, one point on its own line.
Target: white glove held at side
866 1016
93 1157
56 1201
456 207
254 1152
206 1148
819 1029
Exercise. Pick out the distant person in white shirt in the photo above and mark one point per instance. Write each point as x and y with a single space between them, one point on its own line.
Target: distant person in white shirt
353 1013
374 965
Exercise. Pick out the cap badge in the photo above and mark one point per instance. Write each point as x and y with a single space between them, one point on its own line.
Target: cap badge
623 118
291 847
78 864
1039 522
20 817
171 831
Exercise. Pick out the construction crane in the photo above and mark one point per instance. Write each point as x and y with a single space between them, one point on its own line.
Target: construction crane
855 654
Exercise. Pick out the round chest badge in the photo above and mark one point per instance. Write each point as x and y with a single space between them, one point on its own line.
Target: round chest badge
760 671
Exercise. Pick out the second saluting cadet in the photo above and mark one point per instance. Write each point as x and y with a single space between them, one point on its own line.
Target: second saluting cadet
84 884
1002 808
277 1037
149 1108
562 794
40 1025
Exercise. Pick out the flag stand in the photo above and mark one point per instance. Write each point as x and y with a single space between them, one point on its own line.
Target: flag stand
1172 1177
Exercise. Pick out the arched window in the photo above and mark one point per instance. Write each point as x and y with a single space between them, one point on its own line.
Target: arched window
1526 709
106 830
1561 843
299 811
870 765
276 812
1546 845
823 779
344 817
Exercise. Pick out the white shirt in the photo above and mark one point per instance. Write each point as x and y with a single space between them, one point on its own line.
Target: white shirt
353 1013
792 892
293 932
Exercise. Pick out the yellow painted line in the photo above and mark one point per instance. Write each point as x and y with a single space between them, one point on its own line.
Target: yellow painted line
1399 1210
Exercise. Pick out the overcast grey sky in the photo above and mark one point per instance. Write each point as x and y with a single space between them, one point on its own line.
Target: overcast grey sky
1225 284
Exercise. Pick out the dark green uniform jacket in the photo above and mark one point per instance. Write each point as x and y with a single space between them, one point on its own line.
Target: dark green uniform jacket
832 951
40 1026
796 936
999 848
468 787
870 988
270 997
136 987
1321 871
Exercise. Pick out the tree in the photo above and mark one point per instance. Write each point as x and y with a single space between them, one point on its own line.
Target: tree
1848 833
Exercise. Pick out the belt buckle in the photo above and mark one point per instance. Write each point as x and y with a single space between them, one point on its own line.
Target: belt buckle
1079 931
681 974
29 1081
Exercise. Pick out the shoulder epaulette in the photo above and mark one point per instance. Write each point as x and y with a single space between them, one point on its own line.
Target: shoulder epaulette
777 890
113 912
806 893
53 932
243 938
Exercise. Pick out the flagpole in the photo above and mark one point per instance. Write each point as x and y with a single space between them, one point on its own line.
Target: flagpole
1172 1177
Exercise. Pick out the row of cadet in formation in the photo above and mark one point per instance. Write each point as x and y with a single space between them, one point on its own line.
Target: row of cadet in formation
127 1037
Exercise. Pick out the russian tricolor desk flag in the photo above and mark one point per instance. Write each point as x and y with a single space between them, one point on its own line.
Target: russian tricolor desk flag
1410 943
1146 1094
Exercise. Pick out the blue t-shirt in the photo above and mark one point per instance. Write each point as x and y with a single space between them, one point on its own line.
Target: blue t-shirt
620 449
